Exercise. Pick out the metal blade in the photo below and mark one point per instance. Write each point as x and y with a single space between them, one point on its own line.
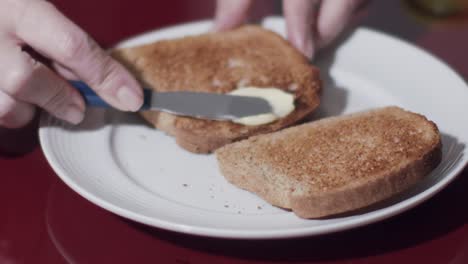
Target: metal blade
209 105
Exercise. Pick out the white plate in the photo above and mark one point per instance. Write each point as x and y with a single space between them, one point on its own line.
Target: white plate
119 163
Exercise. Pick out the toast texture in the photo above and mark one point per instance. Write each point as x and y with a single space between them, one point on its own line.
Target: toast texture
335 165
219 63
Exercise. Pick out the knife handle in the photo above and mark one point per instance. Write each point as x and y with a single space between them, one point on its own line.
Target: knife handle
92 99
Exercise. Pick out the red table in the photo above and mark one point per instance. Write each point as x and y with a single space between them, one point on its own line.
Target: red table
43 221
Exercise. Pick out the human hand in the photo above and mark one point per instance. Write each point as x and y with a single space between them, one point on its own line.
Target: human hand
27 83
311 24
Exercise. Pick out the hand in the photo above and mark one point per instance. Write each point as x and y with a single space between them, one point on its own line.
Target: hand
311 24
26 83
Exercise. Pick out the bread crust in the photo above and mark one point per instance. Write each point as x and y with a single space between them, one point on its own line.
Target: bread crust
360 196
219 63
394 149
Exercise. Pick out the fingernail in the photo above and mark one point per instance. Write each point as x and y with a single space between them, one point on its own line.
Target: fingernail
308 48
304 44
73 114
78 102
130 99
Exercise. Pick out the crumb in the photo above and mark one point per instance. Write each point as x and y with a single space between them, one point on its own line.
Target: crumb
259 207
243 82
226 206
212 197
264 79
239 212
234 62
185 185
293 87
216 83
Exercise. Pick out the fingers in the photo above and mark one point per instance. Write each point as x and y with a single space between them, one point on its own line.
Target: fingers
63 41
333 18
14 114
64 72
300 21
27 81
231 13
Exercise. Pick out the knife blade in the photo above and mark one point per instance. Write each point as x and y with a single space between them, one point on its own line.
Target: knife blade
200 105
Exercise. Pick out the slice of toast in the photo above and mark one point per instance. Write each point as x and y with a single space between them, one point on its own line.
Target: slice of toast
335 165
220 63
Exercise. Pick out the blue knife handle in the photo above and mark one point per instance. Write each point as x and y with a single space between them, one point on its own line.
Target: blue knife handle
92 99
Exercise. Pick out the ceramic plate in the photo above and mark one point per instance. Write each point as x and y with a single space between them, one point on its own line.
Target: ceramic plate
119 163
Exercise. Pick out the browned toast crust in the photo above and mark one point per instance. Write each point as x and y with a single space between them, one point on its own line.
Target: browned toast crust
335 165
219 63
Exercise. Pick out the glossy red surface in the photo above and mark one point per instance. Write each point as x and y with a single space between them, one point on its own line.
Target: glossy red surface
43 221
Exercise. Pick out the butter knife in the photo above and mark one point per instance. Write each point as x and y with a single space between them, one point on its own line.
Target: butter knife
200 105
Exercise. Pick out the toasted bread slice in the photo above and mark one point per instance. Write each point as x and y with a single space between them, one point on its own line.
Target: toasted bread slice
337 164
220 63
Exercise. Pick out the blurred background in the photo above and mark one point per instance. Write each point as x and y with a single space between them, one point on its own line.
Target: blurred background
110 20
27 183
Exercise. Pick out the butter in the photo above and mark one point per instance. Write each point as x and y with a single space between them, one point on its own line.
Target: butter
282 104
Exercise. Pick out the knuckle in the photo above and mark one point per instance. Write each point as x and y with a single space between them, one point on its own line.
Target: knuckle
31 9
27 9
38 5
6 108
47 5
106 75
16 80
74 44
58 99
15 115
5 111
